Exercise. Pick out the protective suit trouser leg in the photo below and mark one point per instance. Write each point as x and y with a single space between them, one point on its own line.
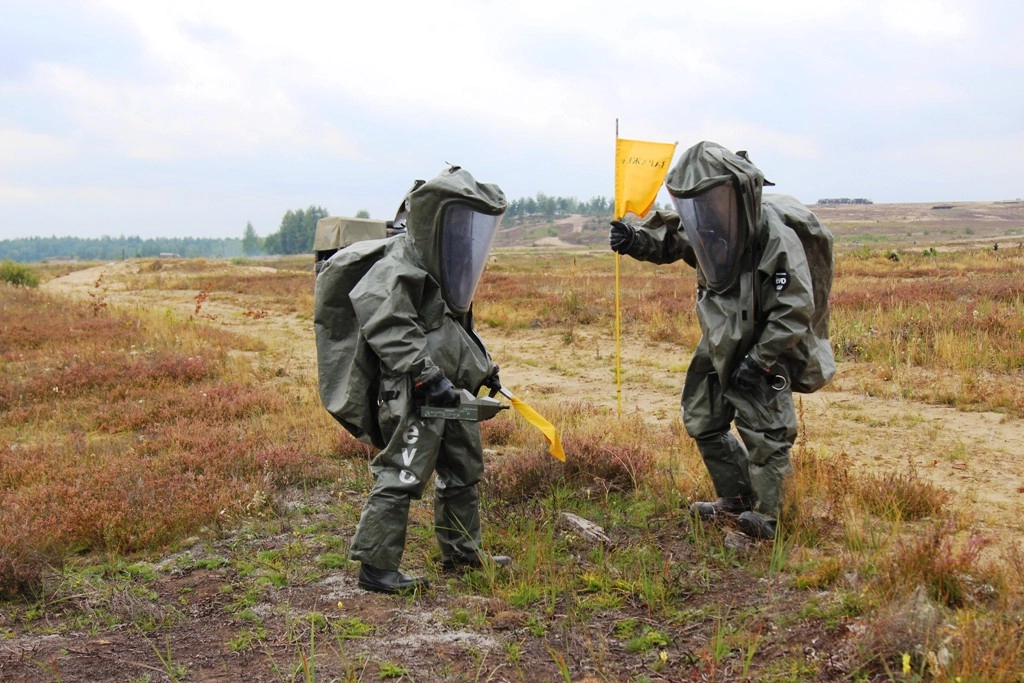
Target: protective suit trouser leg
766 421
769 481
457 520
400 473
456 499
380 537
707 417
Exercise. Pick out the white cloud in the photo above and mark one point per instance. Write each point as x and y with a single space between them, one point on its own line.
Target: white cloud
79 197
245 110
24 149
925 19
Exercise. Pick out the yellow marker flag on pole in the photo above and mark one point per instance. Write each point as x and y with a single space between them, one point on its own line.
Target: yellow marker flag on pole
534 418
640 168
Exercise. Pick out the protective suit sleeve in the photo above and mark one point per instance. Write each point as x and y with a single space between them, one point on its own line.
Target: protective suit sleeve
660 239
386 302
787 297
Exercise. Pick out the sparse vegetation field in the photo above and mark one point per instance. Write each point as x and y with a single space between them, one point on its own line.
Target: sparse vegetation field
175 504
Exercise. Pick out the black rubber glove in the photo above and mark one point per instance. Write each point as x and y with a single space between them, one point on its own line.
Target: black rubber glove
493 382
621 236
748 374
438 391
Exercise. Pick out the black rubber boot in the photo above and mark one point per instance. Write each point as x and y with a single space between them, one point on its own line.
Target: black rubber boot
473 560
756 525
710 512
389 580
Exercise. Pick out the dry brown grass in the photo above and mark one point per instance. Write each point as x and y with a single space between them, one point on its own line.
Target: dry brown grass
123 434
126 432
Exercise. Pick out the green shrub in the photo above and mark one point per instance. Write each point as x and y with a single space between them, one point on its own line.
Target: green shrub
18 274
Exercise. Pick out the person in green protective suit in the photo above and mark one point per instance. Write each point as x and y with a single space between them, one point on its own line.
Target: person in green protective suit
414 308
754 302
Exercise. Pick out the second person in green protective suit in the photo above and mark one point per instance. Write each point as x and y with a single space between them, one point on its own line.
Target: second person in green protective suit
755 302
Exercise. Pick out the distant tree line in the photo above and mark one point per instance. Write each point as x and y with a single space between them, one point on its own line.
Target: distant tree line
294 236
298 228
25 249
548 207
845 200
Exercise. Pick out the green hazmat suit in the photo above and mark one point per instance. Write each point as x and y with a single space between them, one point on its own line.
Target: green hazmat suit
414 313
759 302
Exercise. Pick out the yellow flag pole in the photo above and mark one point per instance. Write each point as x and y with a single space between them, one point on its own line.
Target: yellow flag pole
618 314
642 166
618 343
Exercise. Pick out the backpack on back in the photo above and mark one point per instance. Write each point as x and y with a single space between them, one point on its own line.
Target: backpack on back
348 369
816 363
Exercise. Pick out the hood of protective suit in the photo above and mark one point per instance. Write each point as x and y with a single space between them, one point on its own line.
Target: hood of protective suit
399 223
717 194
451 222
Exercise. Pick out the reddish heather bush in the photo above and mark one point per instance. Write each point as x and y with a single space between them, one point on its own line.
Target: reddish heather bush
23 560
349 447
21 465
520 476
497 432
936 559
288 464
131 445
588 464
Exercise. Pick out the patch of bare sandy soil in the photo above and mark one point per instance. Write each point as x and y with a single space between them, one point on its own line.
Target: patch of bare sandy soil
975 455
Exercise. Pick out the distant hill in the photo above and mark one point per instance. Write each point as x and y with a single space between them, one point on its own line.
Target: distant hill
573 230
854 225
910 225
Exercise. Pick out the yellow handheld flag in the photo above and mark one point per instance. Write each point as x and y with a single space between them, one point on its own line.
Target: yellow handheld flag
640 168
534 418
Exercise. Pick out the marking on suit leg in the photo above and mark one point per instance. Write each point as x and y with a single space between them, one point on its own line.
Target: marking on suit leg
411 437
411 434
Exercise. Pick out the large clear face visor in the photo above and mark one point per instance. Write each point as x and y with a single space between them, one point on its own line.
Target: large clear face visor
711 221
466 238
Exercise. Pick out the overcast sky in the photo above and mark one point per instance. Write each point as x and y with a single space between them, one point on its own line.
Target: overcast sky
194 117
